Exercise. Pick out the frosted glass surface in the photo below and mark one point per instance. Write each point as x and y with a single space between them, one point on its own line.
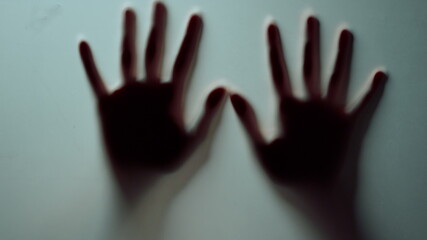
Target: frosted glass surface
54 180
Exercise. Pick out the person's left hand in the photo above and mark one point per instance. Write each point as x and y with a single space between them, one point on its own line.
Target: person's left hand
143 120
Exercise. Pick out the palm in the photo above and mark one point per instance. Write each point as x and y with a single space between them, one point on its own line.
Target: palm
311 149
315 133
143 120
139 126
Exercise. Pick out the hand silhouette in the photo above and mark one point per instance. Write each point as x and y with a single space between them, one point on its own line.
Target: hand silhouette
143 120
315 133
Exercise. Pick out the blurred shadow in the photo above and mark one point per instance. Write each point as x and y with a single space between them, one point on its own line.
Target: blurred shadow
145 217
329 200
142 121
143 125
314 160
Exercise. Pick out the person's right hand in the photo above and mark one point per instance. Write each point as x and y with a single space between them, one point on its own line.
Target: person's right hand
315 133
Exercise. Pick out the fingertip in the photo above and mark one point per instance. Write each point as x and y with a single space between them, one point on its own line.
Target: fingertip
159 11
83 45
347 36
380 78
381 75
196 21
239 104
129 20
84 48
160 7
272 31
195 25
129 14
216 97
346 40
312 22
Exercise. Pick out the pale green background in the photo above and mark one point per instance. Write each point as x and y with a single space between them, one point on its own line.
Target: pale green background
54 183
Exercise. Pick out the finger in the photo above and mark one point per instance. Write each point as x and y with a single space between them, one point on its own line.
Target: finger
213 105
338 86
91 71
277 62
187 52
129 47
372 97
155 46
312 58
247 116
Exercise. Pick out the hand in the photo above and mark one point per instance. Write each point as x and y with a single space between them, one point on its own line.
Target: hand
142 121
315 134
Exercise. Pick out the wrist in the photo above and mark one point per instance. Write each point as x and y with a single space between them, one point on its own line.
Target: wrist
329 210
